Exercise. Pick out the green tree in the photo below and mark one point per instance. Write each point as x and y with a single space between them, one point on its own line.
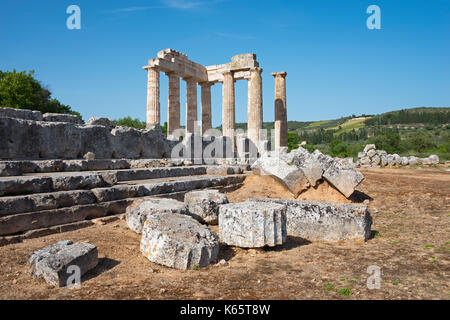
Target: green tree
293 141
132 123
421 141
338 148
21 90
388 141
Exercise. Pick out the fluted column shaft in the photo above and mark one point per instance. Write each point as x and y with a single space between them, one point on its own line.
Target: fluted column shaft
191 105
206 107
281 130
153 104
173 110
228 107
255 108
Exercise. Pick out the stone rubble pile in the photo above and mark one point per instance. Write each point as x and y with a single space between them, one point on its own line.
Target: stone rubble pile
300 170
373 158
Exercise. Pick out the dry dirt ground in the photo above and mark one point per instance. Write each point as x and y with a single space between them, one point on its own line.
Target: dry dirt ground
411 245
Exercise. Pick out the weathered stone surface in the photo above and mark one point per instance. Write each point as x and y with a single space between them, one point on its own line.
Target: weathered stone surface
376 160
344 179
24 185
27 139
391 160
369 147
21 114
204 205
397 159
314 220
53 262
413 160
287 173
10 168
364 161
384 160
307 163
44 201
252 224
178 241
89 156
58 117
404 161
136 217
434 159
105 122
371 153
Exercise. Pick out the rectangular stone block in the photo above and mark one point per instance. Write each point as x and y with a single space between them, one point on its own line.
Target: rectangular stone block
314 220
58 262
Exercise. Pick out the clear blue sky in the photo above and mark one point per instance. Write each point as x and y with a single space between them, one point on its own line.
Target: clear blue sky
336 66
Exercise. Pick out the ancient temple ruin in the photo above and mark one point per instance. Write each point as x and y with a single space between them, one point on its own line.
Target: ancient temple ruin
176 65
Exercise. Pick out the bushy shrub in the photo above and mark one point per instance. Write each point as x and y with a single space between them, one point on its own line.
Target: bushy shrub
21 90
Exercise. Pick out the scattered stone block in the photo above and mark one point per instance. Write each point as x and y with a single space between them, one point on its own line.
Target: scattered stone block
369 147
434 159
315 220
136 217
287 173
204 205
344 179
252 224
53 262
178 241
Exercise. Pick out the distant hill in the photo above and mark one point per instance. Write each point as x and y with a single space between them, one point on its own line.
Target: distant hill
416 131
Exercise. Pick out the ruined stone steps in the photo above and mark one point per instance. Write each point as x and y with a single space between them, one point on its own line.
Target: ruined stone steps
22 214
66 181
21 167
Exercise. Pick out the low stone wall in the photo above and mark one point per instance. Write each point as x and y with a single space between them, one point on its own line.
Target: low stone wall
24 136
373 158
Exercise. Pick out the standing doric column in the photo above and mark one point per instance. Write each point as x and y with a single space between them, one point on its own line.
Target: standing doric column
228 107
255 110
153 105
206 106
191 105
281 130
173 109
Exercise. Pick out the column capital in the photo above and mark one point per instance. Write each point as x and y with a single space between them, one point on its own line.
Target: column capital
154 68
256 69
227 72
206 84
171 74
279 74
190 79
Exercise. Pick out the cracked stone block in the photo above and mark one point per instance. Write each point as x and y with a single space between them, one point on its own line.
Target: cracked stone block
53 262
136 217
252 224
178 241
204 205
369 147
316 220
307 163
287 173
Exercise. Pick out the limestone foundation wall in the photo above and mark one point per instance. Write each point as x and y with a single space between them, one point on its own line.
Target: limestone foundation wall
31 139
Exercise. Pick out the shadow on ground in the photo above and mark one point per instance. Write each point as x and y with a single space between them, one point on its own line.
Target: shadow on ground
104 264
